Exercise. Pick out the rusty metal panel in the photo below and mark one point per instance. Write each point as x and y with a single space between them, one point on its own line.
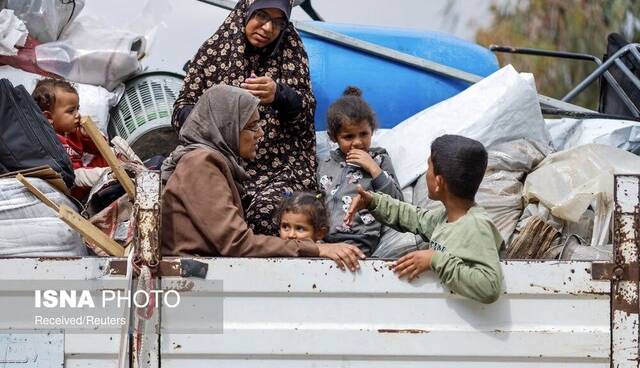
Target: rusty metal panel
625 306
303 312
80 350
30 350
145 342
148 216
306 313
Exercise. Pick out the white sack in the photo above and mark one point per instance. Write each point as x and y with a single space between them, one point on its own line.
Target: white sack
93 53
568 182
501 108
94 101
569 133
13 32
46 19
28 228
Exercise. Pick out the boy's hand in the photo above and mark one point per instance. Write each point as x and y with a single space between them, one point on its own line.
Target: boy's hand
360 202
262 87
413 264
343 254
365 161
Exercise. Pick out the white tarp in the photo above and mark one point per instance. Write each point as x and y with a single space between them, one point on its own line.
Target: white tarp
28 228
570 181
501 108
569 133
93 53
13 32
46 19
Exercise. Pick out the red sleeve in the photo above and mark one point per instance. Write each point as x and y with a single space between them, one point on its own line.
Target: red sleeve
73 151
87 146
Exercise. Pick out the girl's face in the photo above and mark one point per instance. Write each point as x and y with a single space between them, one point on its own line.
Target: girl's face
354 135
297 226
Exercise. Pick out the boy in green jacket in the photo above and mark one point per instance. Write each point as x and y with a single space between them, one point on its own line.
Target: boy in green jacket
463 242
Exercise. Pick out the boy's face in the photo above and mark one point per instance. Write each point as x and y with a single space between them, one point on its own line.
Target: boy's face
354 136
434 182
65 116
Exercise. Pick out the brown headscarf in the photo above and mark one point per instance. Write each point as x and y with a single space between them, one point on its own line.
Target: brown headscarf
228 58
215 123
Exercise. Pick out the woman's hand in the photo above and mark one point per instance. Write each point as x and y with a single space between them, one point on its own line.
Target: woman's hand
365 161
360 202
413 264
343 254
262 87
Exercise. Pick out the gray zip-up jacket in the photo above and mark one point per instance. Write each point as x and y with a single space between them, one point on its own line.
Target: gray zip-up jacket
339 182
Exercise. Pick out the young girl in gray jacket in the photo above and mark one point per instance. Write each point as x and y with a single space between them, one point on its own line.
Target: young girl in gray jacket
351 124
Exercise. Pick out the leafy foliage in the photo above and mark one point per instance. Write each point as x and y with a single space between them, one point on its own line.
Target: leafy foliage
563 25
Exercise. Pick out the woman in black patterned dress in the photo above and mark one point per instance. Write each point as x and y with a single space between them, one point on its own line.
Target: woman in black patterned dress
258 49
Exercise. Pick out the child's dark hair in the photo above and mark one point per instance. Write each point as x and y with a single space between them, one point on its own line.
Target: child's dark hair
307 203
45 92
461 161
351 107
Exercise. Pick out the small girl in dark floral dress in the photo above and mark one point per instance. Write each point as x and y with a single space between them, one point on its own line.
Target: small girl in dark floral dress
351 124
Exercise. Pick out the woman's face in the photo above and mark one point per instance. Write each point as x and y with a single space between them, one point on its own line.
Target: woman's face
249 136
264 26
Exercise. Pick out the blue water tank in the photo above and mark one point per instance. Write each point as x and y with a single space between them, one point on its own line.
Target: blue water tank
395 91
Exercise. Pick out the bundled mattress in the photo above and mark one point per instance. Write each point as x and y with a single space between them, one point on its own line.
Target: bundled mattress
28 228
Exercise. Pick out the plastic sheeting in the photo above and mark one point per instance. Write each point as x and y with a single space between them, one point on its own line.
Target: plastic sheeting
13 32
46 19
501 108
28 228
570 133
570 181
98 52
95 102
93 53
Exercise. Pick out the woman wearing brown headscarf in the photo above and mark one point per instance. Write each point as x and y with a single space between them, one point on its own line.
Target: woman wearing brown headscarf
201 210
258 49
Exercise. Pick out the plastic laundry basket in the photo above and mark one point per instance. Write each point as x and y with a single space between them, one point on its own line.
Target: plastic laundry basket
143 115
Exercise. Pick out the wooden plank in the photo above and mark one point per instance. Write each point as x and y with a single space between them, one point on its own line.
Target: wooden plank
37 192
108 155
91 233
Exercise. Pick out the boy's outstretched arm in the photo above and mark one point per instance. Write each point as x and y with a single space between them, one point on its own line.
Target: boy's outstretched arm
402 216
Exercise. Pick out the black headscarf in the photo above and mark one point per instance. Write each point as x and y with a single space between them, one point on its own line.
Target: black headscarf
226 58
282 5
